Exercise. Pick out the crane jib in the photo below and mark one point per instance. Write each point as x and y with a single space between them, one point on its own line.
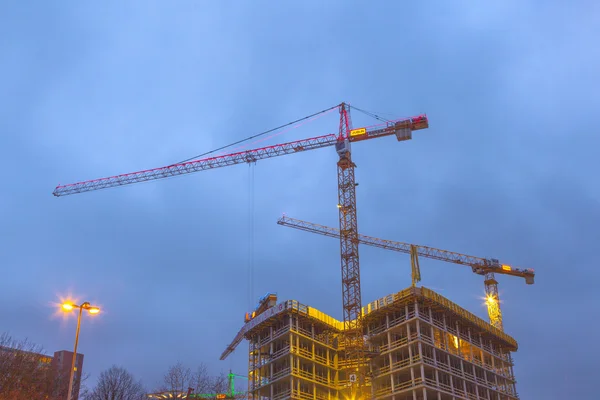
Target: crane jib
248 156
480 265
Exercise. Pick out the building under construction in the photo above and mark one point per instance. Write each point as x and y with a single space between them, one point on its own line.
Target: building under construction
420 346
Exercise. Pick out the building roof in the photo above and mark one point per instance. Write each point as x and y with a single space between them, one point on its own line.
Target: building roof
369 312
376 308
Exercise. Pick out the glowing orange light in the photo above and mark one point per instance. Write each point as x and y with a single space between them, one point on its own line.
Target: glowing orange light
93 310
67 306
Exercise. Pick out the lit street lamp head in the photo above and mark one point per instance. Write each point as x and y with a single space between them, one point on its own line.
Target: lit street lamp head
68 306
85 306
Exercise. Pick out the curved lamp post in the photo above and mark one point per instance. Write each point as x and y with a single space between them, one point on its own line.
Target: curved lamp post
70 307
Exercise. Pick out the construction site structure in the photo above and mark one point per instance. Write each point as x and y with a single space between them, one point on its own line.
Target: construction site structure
402 129
419 346
487 267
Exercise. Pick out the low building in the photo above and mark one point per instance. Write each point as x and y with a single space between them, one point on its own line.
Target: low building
55 369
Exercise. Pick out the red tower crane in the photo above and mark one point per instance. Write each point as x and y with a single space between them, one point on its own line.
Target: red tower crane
481 266
351 295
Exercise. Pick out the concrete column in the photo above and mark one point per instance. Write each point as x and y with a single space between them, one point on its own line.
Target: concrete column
408 333
328 368
462 366
392 381
448 357
271 364
387 321
481 352
389 340
437 375
470 345
473 367
493 356
419 344
494 365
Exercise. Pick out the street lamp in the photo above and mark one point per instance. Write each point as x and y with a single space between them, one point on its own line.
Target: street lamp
69 307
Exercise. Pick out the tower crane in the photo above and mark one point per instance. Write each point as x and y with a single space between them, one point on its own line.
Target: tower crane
481 266
351 294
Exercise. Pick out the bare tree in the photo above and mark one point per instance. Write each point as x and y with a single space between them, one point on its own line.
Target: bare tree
178 379
116 383
25 371
203 382
220 384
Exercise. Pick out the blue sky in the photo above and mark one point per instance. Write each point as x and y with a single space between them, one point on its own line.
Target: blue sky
507 169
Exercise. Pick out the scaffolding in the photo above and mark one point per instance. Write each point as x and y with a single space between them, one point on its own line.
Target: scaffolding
421 346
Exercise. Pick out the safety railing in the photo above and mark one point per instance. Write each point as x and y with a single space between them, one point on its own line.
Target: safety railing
326 319
283 351
431 295
393 323
276 375
398 387
465 375
301 395
282 395
387 300
315 339
279 332
313 377
397 365
313 357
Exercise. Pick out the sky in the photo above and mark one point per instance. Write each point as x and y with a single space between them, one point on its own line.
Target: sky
507 169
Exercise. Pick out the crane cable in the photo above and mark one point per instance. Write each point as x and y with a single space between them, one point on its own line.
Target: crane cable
251 236
370 114
260 134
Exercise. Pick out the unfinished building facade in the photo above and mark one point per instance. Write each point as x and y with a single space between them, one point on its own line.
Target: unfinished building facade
421 346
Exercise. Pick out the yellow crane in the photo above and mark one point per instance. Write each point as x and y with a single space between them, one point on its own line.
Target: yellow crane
487 267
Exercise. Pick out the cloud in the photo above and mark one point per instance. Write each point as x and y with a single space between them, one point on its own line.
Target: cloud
506 169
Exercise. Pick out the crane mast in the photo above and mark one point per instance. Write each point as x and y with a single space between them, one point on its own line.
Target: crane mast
481 266
351 296
492 300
